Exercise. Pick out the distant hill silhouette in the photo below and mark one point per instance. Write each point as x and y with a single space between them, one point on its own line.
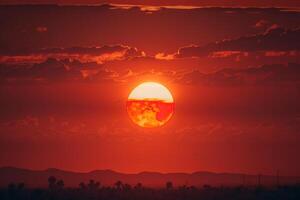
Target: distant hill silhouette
38 178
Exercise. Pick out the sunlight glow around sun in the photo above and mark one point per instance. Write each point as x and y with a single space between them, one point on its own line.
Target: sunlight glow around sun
150 105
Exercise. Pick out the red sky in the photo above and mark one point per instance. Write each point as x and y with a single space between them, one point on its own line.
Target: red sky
66 72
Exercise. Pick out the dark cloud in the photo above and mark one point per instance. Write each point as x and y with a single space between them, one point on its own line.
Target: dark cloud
102 53
106 49
267 74
53 70
133 26
262 24
83 54
274 39
74 70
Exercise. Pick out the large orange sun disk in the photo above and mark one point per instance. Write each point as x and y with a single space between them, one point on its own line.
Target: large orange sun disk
150 105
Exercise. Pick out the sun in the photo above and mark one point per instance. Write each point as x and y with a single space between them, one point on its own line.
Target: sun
150 105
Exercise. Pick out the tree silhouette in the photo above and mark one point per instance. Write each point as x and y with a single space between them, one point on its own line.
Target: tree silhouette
206 187
21 186
169 185
60 184
183 187
11 186
138 186
119 185
82 185
123 191
52 182
126 187
92 185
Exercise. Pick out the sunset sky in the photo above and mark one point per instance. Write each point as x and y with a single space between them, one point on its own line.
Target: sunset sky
233 68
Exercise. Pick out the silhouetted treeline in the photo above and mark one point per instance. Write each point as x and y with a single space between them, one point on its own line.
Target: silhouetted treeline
93 190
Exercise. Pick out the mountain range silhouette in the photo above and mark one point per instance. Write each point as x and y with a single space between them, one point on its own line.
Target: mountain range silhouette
38 178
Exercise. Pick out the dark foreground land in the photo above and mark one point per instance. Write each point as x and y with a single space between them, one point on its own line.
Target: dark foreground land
120 191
